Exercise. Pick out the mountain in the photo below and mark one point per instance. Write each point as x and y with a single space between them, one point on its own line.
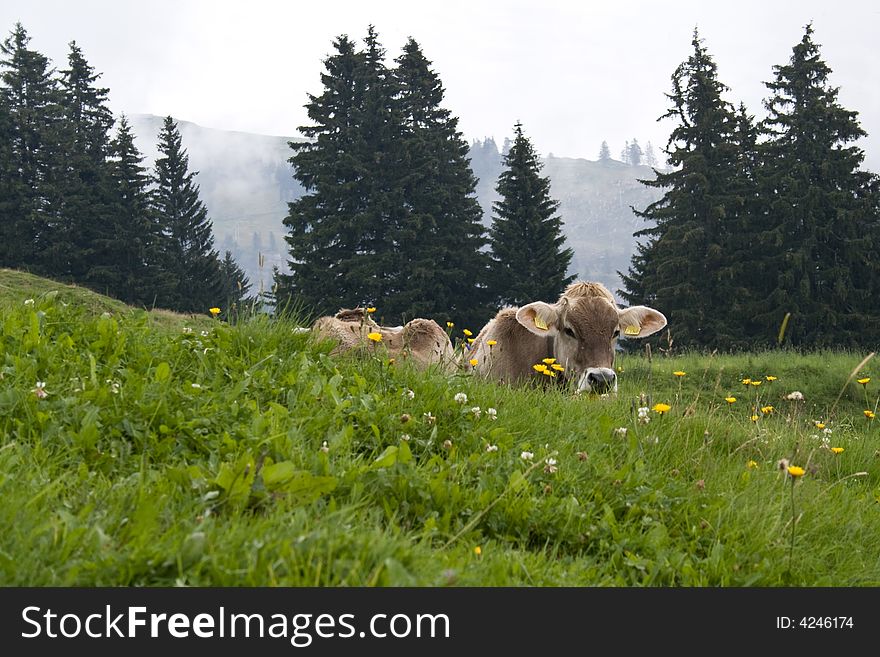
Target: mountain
246 183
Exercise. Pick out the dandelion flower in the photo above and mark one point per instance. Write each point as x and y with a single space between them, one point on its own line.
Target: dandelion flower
547 372
375 337
751 465
461 398
473 362
795 471
869 414
746 382
679 373
864 381
819 425
767 410
661 408
371 310
450 325
467 333
470 340
539 367
730 400
548 361
478 550
755 383
214 311
491 343
770 378
754 418
558 367
837 450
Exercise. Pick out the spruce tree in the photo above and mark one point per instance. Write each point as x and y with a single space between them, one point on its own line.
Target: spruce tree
604 152
529 259
31 99
441 268
634 153
822 221
234 287
676 268
190 257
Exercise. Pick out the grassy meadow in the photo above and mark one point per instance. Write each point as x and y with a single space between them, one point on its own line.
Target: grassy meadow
154 449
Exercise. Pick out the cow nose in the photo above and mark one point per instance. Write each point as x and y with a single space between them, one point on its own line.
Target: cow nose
601 381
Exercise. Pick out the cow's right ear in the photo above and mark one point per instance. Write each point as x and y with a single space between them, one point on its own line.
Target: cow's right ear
539 318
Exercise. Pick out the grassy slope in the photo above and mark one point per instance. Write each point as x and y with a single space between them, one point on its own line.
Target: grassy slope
128 474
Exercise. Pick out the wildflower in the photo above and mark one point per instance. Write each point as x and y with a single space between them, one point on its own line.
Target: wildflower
491 413
325 447
795 471
864 381
837 450
767 410
410 394
491 448
450 325
755 383
751 465
29 302
621 431
371 310
539 368
375 337
405 437
796 395
547 372
819 425
661 408
782 464
187 330
476 411
447 444
461 398
40 390
730 400
701 484
473 362
405 418
467 333
204 334
527 456
550 467
114 386
826 431
643 415
430 419
746 382
491 343
869 414
478 551
214 311
196 386
470 340
754 418
548 361
558 367
679 373
582 456
770 378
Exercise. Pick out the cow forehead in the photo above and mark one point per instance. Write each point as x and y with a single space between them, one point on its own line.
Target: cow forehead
593 316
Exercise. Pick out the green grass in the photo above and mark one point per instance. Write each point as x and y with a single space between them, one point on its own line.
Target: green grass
163 457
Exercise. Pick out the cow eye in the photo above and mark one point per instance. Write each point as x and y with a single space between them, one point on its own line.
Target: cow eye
616 333
569 332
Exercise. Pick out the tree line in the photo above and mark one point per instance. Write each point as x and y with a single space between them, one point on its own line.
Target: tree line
390 217
767 232
78 205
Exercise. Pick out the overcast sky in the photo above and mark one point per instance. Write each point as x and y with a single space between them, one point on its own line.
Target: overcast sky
574 73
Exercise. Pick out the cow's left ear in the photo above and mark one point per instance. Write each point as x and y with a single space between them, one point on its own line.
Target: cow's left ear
538 317
640 321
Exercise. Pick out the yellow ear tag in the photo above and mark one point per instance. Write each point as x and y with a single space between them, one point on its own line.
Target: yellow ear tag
632 330
540 323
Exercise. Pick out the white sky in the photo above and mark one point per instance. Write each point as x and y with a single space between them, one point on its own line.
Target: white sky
574 73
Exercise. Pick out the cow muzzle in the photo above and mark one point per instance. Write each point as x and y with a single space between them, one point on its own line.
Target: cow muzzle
599 380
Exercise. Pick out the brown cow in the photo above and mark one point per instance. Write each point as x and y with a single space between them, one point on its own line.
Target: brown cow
580 331
421 340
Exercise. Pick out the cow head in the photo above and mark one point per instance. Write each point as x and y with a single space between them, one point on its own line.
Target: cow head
584 330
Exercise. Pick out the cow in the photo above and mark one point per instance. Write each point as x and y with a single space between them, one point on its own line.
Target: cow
421 341
579 331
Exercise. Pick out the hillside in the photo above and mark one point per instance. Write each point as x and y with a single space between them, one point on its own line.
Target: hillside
246 183
197 453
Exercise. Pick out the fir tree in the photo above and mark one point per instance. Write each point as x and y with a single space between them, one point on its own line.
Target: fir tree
822 221
234 287
441 269
634 153
677 268
650 156
604 152
529 259
190 257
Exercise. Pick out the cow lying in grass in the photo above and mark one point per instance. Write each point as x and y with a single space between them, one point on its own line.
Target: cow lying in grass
579 331
421 341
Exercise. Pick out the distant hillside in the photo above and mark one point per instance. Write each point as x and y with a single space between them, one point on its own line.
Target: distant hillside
246 183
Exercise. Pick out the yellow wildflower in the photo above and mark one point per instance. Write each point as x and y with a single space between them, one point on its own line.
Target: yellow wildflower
547 372
869 414
558 367
755 383
375 337
754 418
371 310
837 450
795 471
864 381
478 550
539 367
819 425
679 373
473 362
661 408
549 361
467 333
766 410
752 465
450 325
214 311
770 377
730 400
470 340
746 381
491 343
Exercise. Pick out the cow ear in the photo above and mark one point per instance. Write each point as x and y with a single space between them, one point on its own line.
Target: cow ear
538 317
640 321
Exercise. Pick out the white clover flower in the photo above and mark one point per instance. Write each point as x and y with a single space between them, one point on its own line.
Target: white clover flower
826 431
40 390
826 442
429 418
461 398
196 386
527 456
644 418
620 431
476 411
187 330
491 413
204 334
406 437
550 467
491 448
410 394
29 302
797 395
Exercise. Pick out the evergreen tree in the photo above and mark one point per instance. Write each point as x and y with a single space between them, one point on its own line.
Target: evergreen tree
822 223
234 287
650 156
634 153
624 154
441 268
32 117
527 242
190 257
677 268
604 152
